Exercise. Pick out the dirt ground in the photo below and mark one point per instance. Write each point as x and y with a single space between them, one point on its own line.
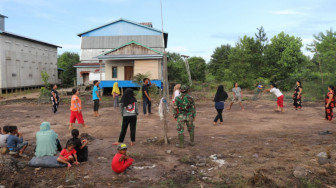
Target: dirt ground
255 148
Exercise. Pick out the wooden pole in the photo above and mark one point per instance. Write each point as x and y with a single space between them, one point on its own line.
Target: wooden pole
165 85
101 74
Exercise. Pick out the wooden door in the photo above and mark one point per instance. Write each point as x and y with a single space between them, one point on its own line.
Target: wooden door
129 72
86 79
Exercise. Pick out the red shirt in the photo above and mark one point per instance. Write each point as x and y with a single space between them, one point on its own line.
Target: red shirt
67 154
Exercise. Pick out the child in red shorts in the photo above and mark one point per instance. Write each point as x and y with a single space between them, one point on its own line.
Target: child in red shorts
121 161
68 154
76 109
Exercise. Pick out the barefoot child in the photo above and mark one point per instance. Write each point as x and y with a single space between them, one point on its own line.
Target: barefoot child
3 139
68 154
121 161
279 95
129 111
15 142
76 109
80 146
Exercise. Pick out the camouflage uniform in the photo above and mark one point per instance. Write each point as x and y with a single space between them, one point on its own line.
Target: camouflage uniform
185 113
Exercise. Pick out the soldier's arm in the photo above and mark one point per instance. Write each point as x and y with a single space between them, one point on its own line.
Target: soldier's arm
193 110
175 108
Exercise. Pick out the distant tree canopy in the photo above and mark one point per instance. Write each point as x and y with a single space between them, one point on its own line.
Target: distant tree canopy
177 71
66 61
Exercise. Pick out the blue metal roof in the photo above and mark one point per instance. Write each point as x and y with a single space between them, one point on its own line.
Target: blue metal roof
123 32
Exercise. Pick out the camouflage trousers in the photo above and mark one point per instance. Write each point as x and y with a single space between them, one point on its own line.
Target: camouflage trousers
185 120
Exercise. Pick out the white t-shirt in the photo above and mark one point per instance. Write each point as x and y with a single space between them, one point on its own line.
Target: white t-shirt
276 91
3 140
176 94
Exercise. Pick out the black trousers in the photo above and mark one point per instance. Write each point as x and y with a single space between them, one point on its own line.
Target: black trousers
128 120
219 115
146 103
55 106
96 105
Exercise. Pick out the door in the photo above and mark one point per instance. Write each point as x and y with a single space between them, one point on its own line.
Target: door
86 78
129 72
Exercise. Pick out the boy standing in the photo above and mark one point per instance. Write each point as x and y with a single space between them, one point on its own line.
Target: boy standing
76 109
15 142
95 98
147 101
121 161
237 96
185 114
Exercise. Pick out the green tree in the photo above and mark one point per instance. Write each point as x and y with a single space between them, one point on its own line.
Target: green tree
219 62
245 61
66 61
177 71
197 68
324 49
261 37
283 57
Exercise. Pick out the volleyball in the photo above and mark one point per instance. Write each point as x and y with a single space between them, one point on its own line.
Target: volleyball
260 86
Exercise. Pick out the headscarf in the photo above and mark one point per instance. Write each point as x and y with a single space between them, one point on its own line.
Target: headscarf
176 87
221 95
46 144
116 88
128 97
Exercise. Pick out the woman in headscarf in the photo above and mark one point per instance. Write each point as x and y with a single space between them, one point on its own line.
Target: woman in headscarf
219 99
115 94
129 111
176 91
47 142
297 96
329 103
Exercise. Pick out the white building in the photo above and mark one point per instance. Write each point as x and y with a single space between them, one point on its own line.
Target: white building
22 60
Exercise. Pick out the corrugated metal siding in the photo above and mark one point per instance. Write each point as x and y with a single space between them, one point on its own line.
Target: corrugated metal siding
23 60
110 42
121 28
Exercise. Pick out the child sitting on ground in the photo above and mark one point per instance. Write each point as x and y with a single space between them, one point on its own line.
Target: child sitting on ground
80 146
3 139
68 154
121 161
15 142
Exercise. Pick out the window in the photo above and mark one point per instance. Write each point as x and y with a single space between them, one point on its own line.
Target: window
114 72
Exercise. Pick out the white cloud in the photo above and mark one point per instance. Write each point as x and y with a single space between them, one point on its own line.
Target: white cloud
286 12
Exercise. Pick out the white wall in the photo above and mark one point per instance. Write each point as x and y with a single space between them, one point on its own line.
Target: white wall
22 62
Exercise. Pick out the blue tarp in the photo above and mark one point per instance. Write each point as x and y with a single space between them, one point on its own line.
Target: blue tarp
126 83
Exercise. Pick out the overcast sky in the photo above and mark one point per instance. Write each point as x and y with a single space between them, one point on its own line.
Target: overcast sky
195 27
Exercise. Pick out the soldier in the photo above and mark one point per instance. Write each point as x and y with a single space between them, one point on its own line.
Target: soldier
184 113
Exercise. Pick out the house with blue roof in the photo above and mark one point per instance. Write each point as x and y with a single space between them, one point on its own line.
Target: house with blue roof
117 51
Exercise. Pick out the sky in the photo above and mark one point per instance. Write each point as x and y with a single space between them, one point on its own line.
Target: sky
195 27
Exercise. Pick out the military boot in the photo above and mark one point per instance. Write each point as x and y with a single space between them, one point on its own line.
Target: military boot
191 143
181 141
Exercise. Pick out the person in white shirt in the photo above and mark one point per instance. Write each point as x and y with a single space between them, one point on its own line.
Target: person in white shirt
176 92
280 96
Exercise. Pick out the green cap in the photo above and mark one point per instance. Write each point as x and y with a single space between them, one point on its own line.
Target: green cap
184 88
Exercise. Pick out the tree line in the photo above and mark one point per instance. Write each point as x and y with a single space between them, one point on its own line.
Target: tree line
258 59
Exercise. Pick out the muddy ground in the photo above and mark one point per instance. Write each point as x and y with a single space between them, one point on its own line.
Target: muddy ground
255 148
